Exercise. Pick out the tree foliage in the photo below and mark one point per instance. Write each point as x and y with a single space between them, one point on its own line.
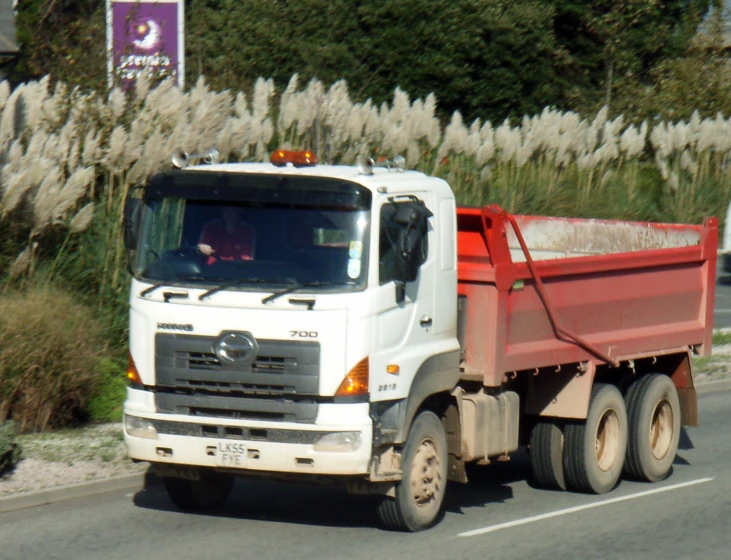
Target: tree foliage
485 58
62 38
700 80
610 42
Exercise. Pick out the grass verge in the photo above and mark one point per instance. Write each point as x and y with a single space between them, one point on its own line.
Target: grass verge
104 442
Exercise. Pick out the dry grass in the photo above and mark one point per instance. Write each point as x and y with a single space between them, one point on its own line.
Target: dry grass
49 347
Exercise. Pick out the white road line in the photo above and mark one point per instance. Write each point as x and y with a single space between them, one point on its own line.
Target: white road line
722 310
560 512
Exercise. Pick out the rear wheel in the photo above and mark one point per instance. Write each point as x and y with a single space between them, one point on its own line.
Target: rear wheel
208 493
653 411
420 493
594 450
546 455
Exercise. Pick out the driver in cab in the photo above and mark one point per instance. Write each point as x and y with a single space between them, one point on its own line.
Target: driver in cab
228 239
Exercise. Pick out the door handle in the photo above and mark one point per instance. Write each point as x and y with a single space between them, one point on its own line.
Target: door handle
425 321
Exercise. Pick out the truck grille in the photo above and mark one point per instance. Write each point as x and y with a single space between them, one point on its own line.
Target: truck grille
202 360
262 364
192 380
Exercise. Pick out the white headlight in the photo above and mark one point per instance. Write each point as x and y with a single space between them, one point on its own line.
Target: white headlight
338 441
139 427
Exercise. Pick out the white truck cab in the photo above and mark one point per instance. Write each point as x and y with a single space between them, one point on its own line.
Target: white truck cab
307 359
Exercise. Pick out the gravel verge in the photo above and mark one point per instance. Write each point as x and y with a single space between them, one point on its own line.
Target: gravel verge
69 457
97 452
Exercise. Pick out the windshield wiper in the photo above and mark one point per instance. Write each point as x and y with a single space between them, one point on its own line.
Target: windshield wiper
154 287
235 283
295 287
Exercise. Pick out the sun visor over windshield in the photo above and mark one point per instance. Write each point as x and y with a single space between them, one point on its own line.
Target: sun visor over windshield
264 189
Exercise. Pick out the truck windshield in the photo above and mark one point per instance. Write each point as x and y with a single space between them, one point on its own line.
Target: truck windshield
255 245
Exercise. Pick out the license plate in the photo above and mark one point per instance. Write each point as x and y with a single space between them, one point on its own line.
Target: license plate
177 471
230 454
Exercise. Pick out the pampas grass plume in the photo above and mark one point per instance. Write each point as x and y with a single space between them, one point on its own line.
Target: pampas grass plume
45 200
4 93
82 219
76 188
22 263
117 105
16 189
7 121
117 144
92 150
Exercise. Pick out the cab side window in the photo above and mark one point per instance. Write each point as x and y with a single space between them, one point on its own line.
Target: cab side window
391 227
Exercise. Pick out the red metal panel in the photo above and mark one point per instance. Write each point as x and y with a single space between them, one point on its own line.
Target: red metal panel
710 248
621 304
486 332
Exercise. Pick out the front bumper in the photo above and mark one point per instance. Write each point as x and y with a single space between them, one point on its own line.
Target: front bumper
265 447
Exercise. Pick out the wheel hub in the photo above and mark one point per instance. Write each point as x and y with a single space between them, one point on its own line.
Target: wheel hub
607 440
661 429
426 475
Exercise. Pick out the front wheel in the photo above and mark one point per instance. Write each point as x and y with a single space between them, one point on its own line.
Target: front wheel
420 493
208 493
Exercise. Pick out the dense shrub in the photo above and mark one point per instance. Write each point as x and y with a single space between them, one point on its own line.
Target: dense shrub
106 403
50 346
10 451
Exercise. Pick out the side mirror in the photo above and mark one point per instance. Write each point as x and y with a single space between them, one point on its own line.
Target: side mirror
408 257
407 221
132 207
408 260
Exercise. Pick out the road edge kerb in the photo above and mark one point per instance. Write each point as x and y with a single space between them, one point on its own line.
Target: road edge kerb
47 496
139 481
713 386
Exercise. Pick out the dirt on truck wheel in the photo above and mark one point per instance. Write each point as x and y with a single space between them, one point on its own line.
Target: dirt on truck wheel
653 411
594 450
420 493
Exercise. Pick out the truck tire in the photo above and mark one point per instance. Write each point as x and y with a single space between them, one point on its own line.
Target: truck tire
546 455
208 493
594 450
420 493
653 412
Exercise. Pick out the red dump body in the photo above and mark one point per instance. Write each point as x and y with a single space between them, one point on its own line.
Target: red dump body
623 290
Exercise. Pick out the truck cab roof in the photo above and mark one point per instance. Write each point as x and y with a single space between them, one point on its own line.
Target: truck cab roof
395 181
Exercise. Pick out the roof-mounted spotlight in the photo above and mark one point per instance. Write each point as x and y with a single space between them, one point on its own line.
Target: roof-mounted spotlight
366 164
181 159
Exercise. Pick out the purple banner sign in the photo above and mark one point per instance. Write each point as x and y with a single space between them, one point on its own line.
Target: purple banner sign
145 36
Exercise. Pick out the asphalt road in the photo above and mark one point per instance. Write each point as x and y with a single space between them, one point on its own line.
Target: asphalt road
498 515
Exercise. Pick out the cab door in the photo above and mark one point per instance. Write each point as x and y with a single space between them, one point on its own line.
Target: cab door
403 326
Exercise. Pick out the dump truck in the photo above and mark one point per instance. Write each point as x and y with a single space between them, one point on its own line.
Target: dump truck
376 335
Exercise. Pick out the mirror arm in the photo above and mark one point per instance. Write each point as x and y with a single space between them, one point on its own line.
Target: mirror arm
400 291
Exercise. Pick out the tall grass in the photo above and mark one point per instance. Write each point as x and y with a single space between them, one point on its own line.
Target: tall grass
68 158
